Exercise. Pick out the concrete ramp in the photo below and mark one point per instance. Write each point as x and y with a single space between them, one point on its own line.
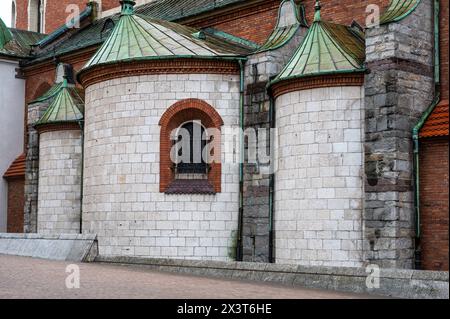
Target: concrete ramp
68 247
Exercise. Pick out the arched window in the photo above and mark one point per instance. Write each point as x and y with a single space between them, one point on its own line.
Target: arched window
36 15
190 149
13 14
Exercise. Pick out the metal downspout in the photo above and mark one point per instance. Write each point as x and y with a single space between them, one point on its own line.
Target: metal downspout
272 181
419 125
81 124
240 247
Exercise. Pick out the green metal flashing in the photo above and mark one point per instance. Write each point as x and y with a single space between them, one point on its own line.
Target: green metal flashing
127 7
137 37
67 107
328 48
426 115
5 34
86 13
232 38
283 33
398 10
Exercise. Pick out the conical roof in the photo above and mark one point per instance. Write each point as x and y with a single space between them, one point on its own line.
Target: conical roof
67 107
327 48
398 9
5 34
137 37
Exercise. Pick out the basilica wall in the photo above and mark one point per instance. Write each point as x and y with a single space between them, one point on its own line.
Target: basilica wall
122 201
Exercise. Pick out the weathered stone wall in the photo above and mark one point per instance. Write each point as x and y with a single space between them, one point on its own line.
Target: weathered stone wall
318 184
122 202
259 69
59 195
398 90
35 111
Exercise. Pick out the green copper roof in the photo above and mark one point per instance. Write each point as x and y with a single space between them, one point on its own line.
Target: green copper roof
66 107
140 37
94 34
289 21
327 48
398 10
5 34
19 45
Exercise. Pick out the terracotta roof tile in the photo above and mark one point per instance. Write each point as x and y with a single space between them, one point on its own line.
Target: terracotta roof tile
437 123
17 168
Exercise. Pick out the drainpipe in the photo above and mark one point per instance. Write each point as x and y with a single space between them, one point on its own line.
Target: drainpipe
240 246
81 124
272 181
419 125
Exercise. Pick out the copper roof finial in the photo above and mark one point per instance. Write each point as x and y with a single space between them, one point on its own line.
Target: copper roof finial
317 8
127 7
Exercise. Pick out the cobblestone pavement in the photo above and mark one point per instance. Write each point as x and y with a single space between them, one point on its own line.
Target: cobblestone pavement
22 277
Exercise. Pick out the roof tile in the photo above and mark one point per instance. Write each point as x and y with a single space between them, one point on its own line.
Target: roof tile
437 123
17 168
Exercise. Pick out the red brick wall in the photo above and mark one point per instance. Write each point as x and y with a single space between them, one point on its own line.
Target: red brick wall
21 14
16 201
257 23
55 12
344 11
254 24
434 203
444 48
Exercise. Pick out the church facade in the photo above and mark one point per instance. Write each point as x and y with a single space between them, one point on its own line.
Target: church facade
264 131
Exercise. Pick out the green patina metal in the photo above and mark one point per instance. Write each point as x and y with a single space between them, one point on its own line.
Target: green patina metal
232 39
283 33
5 34
417 128
398 10
327 48
67 107
16 43
67 26
137 37
169 10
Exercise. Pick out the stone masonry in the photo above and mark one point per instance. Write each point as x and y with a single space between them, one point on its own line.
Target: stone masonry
59 196
122 201
318 184
399 88
35 111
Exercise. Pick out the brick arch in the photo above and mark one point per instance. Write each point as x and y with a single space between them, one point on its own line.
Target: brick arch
41 90
192 104
174 117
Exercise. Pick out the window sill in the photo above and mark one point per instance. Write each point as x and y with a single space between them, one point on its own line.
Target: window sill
190 186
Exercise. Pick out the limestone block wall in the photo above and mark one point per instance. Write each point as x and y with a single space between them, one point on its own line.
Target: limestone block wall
318 184
398 89
59 201
122 202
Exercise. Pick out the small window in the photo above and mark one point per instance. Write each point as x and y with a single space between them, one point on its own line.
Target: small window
191 151
36 15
